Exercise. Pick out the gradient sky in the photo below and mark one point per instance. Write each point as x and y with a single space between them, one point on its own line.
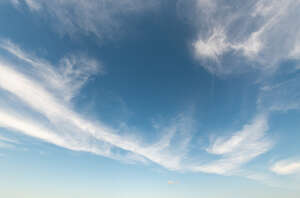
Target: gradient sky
149 99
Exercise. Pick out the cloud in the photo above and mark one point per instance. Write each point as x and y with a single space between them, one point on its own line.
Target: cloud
103 18
66 79
36 130
6 142
212 47
286 167
281 96
238 149
236 36
5 139
40 110
6 145
54 121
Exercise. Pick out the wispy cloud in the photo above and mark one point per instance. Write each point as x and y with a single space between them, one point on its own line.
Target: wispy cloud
6 145
286 167
238 149
36 130
280 96
6 139
6 142
231 32
65 79
57 123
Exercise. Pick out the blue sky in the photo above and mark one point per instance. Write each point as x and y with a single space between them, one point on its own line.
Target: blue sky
164 98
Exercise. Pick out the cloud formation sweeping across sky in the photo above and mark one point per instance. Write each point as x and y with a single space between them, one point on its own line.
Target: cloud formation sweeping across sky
55 121
67 128
238 149
169 94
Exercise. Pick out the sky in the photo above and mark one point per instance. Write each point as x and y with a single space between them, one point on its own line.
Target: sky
152 99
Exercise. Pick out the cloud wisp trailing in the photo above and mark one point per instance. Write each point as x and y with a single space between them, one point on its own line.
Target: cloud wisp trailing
44 113
7 143
72 72
62 125
238 149
252 31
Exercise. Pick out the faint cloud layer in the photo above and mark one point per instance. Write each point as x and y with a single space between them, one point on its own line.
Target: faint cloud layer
104 18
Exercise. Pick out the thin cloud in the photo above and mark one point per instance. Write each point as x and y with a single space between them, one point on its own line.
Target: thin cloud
238 149
50 118
73 71
65 127
9 140
251 31
281 96
286 167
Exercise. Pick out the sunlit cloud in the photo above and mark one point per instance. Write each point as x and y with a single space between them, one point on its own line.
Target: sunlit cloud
286 167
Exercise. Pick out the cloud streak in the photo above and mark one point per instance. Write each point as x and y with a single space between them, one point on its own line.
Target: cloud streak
72 72
65 127
238 149
54 121
286 167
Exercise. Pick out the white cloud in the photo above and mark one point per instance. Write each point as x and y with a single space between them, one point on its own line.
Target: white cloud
34 129
54 121
229 32
33 4
66 79
65 127
295 53
238 149
212 47
286 167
